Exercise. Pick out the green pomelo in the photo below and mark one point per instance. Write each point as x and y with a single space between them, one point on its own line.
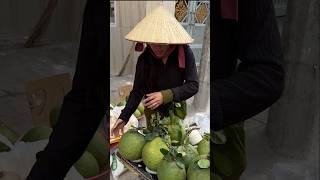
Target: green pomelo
168 170
37 133
4 147
131 145
87 165
196 173
8 133
204 147
141 108
98 147
54 115
137 113
151 154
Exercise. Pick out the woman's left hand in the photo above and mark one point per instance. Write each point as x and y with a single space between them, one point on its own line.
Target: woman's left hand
153 100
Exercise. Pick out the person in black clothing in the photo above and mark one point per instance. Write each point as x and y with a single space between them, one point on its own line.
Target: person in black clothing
166 72
242 90
84 106
239 92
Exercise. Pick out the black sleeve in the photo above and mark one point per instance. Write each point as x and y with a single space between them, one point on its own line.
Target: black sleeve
83 107
259 80
136 94
191 84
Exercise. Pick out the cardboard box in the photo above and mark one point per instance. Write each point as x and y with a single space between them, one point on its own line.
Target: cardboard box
124 91
46 94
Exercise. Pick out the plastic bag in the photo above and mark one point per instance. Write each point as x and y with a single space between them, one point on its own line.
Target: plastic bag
117 168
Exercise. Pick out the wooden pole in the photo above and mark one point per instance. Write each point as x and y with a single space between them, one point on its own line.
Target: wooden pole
42 24
201 99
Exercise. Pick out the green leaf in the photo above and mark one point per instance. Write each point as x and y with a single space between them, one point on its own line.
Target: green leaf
141 128
145 131
150 136
167 157
164 151
203 163
177 105
175 143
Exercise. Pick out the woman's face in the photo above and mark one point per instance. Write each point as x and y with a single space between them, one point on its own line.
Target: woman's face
159 50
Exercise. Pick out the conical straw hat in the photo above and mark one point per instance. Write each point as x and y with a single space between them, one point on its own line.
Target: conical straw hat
159 27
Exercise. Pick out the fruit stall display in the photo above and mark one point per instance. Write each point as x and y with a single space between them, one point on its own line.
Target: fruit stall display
166 151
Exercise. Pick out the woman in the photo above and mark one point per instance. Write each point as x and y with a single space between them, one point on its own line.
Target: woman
165 71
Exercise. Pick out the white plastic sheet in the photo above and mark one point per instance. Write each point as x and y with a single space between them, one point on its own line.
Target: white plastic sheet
201 119
115 113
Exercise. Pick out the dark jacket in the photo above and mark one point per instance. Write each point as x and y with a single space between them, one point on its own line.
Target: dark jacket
153 76
240 92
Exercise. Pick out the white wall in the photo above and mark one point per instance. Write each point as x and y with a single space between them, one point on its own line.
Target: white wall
128 14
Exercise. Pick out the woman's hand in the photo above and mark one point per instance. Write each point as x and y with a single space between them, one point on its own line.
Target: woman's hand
118 126
153 100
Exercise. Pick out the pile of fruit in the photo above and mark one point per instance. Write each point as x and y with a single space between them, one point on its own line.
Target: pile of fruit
137 113
92 163
166 150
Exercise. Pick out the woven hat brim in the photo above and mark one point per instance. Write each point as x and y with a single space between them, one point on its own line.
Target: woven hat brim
159 27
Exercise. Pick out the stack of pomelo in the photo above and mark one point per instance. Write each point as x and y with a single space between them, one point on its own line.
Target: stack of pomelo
189 162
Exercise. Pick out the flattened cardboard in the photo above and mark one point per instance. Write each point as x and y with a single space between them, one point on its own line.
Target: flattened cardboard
124 91
45 94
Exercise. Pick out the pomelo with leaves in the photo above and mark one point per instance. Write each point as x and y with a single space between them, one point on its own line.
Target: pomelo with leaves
131 144
199 169
171 166
151 154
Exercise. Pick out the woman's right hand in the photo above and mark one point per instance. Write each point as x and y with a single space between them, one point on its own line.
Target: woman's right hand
118 126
